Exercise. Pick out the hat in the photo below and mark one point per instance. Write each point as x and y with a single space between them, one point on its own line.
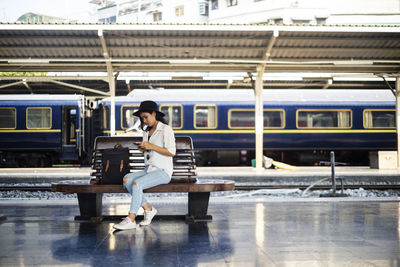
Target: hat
148 106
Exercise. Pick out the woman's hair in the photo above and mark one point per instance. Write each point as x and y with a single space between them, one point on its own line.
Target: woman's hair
158 117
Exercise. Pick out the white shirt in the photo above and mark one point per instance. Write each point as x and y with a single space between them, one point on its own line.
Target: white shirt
163 136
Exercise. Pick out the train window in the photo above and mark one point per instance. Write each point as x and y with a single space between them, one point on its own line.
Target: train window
205 116
323 119
38 118
241 119
173 115
246 119
379 119
8 118
105 118
128 120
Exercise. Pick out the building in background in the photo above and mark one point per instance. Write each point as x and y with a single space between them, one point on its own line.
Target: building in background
384 12
186 11
150 11
314 12
268 11
106 10
305 11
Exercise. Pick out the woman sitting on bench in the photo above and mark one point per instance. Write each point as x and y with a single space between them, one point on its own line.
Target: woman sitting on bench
158 147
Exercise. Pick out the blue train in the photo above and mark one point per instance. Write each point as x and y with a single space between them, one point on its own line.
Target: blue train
300 126
39 130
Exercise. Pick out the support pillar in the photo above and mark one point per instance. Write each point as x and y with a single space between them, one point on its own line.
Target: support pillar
112 109
398 119
111 80
259 106
259 117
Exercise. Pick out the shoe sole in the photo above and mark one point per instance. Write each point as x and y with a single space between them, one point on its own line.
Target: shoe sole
119 228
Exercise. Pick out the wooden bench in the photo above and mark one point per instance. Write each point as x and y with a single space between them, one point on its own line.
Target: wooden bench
184 179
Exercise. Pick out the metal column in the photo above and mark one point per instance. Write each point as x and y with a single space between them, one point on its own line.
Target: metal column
398 119
112 110
259 117
259 105
111 80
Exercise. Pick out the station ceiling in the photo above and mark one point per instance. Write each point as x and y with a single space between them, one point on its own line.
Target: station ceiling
195 48
123 88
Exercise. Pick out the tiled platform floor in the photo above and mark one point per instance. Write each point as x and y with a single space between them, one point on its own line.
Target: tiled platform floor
243 233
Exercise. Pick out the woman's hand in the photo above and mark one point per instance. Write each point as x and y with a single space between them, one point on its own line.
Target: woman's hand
145 146
149 146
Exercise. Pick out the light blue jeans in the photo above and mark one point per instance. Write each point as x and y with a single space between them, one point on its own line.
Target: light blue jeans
143 180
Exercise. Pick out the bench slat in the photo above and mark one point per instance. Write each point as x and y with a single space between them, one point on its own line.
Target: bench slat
104 142
183 161
83 186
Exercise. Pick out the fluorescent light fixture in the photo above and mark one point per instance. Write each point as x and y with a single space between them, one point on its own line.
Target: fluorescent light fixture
354 62
28 61
189 61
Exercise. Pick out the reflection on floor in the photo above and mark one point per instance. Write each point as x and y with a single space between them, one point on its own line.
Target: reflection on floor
242 233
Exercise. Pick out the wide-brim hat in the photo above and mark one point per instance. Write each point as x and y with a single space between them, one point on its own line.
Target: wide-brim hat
148 106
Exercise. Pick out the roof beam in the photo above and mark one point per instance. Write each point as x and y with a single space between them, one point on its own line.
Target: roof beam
162 67
330 39
106 56
123 48
267 52
69 38
328 50
288 84
10 84
327 84
27 86
49 50
80 87
138 60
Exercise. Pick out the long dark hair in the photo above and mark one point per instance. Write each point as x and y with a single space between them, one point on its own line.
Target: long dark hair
158 117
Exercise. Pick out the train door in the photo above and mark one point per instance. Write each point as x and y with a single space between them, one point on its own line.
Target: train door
69 133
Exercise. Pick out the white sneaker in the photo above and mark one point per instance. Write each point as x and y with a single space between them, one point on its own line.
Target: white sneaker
126 224
148 216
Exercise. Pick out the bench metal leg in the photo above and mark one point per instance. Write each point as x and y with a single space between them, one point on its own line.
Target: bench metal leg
198 206
90 205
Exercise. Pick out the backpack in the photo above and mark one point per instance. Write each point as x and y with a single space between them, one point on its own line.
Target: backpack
115 164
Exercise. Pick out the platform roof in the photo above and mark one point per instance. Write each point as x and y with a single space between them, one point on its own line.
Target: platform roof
47 85
200 47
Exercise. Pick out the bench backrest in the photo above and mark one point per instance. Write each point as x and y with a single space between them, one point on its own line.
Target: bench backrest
184 160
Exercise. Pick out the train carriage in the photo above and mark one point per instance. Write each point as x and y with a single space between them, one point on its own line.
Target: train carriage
296 122
38 130
300 126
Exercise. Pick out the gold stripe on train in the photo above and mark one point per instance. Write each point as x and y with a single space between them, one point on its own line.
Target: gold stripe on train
284 131
31 131
270 131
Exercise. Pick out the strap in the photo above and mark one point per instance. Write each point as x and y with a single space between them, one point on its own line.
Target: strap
121 167
107 165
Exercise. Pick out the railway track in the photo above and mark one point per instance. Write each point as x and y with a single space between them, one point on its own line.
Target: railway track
245 187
